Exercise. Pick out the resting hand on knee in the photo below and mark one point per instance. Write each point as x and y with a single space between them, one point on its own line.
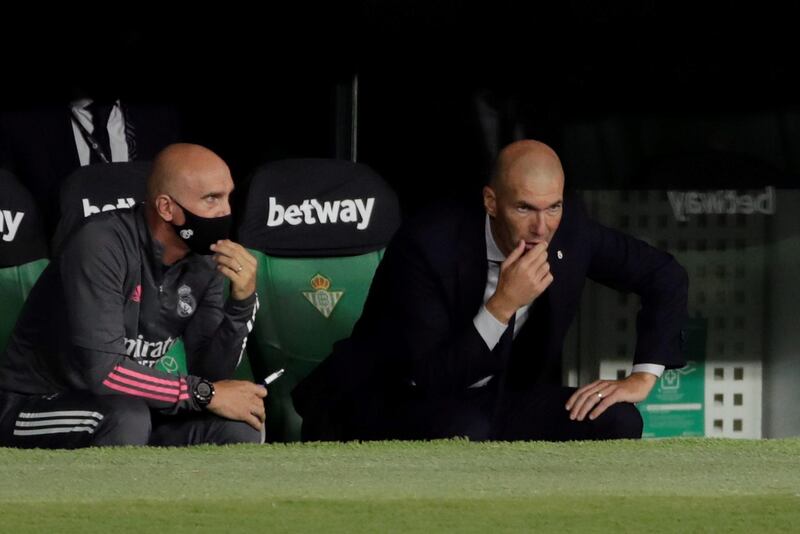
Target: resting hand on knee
239 400
595 398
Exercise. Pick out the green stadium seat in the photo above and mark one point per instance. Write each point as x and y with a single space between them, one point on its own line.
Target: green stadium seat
315 268
15 284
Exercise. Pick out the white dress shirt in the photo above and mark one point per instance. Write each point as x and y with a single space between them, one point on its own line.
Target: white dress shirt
116 131
491 330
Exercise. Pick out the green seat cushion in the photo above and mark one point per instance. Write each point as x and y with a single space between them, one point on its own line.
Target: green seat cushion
15 284
307 304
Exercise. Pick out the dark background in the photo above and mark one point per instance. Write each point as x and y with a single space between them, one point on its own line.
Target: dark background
622 90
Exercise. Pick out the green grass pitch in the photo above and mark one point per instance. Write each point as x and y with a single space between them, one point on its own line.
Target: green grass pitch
686 485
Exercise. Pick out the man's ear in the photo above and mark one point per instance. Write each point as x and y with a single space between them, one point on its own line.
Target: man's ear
490 201
165 207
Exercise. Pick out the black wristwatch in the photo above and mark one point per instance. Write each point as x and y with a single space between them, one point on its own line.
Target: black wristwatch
203 392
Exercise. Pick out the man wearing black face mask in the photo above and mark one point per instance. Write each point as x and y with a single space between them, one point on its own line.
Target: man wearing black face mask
79 368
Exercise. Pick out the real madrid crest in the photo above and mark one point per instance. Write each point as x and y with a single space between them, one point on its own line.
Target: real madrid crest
322 299
186 302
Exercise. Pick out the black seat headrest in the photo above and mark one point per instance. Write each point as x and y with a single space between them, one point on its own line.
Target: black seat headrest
97 188
22 238
318 208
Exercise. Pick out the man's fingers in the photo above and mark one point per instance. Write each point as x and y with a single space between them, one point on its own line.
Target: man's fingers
234 250
245 259
542 269
583 406
585 398
233 270
258 408
535 256
548 279
596 398
232 263
534 266
258 411
580 391
232 275
571 401
236 262
515 254
540 247
590 402
226 246
578 405
253 421
602 406
611 396
545 282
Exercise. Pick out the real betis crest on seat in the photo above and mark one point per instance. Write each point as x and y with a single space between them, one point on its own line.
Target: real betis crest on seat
322 299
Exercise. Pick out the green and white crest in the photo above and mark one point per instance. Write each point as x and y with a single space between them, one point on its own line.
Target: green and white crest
321 298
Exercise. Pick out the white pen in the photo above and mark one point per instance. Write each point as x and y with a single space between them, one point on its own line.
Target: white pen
273 377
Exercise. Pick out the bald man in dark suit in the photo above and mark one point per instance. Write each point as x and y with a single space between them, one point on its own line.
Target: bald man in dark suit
463 330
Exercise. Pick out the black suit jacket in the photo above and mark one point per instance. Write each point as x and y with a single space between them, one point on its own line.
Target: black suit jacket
38 146
417 325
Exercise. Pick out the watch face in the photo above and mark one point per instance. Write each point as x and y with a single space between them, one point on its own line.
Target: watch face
203 390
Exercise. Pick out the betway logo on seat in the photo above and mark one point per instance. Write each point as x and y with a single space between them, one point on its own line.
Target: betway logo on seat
9 224
311 211
685 203
89 209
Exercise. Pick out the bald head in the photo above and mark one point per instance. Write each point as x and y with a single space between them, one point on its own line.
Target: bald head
186 180
182 168
525 196
526 160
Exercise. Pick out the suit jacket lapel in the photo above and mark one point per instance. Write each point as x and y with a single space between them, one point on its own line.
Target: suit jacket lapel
556 256
563 256
471 263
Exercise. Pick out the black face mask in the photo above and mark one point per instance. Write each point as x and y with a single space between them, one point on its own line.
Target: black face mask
199 233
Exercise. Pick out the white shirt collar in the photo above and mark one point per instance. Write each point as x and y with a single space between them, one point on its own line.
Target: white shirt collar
493 252
80 103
